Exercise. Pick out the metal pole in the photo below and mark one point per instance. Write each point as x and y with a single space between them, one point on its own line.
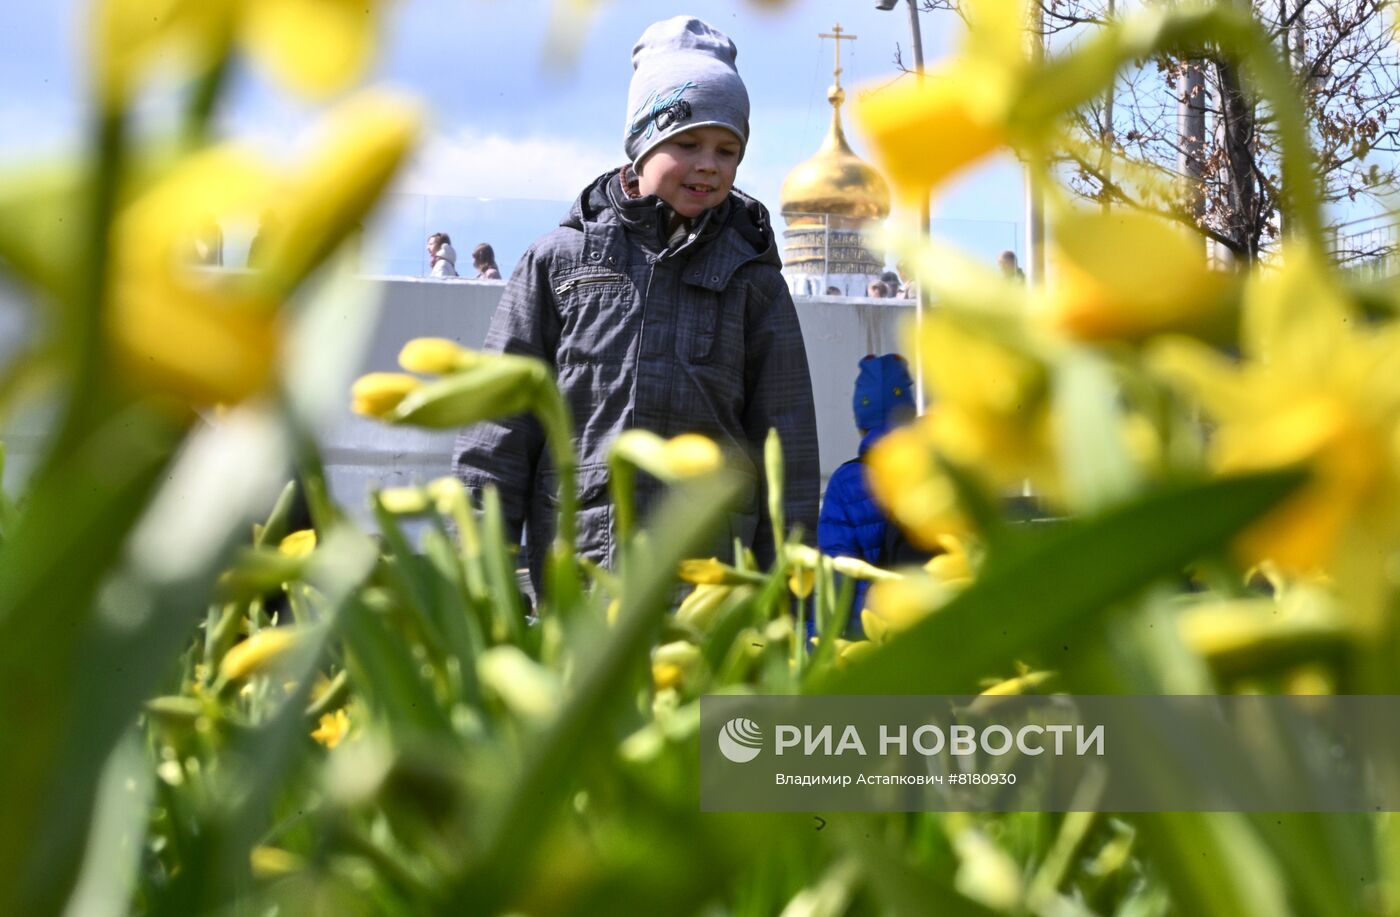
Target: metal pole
1035 192
922 305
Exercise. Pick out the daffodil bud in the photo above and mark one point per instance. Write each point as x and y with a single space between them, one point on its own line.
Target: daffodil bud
684 456
260 652
856 568
436 356
298 544
673 663
378 394
712 572
500 385
801 582
698 609
404 501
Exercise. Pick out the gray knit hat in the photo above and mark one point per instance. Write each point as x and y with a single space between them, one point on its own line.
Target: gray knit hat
683 77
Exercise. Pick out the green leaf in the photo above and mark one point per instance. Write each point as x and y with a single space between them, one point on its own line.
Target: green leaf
1045 598
516 824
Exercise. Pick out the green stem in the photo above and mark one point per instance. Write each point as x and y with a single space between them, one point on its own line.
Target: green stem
205 98
87 334
620 483
553 415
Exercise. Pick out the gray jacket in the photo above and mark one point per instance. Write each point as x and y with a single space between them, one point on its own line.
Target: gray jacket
695 336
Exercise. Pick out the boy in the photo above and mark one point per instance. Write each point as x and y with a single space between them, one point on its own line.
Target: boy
852 523
659 303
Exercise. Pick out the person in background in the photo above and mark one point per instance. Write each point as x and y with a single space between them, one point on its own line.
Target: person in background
484 260
1007 262
833 291
891 281
877 290
660 304
443 255
267 228
851 522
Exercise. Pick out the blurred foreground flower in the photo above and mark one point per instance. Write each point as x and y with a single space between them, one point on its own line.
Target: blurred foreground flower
205 336
436 356
378 394
1126 274
1320 388
680 457
894 606
966 104
260 652
316 47
298 544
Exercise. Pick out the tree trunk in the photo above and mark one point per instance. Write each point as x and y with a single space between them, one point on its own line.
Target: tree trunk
1242 221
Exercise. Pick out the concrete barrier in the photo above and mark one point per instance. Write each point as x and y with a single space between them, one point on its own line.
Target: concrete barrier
360 454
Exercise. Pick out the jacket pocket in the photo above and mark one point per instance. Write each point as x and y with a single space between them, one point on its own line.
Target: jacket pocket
709 314
595 511
593 305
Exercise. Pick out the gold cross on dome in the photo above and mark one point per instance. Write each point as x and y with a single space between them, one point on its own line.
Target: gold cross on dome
839 34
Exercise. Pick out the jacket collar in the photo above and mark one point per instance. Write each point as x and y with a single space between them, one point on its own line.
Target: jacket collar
713 250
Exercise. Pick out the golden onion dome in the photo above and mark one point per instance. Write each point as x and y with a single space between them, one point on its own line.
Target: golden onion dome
836 181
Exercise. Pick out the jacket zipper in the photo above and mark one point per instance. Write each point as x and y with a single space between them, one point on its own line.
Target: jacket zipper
568 285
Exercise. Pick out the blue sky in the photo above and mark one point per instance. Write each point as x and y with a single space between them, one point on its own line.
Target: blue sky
510 120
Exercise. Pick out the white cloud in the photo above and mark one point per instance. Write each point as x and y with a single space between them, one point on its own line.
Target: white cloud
470 163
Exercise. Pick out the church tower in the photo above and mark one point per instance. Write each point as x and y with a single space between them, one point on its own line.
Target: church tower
831 203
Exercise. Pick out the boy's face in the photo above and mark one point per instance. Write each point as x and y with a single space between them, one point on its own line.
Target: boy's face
692 171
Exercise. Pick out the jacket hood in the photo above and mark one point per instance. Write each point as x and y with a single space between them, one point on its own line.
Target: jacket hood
742 217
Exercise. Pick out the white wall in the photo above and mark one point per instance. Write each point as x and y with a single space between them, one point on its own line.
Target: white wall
360 453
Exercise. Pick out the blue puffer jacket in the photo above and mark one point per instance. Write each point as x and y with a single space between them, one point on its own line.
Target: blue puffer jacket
851 522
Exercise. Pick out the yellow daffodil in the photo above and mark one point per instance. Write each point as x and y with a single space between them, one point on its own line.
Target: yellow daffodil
951 567
436 356
316 47
332 728
848 651
802 581
698 609
905 479
298 544
131 36
377 394
680 457
204 337
404 501
711 571
259 652
673 663
1125 275
992 406
704 572
991 416
927 132
364 139
691 454
893 606
1320 388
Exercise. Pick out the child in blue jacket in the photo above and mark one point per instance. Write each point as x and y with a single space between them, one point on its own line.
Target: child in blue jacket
851 522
